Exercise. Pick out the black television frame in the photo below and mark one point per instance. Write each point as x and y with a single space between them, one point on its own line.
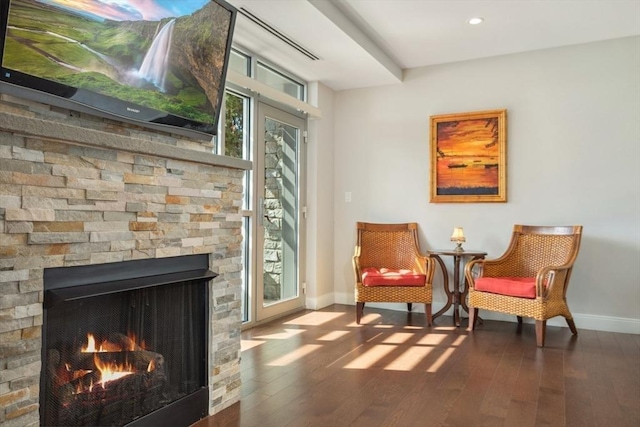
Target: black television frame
56 94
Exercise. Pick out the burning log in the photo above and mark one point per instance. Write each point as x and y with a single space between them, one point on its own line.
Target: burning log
105 383
141 360
114 402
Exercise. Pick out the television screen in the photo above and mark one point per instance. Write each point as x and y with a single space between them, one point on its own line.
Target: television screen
159 63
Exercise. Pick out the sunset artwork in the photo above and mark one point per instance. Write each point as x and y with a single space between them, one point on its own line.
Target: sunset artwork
468 157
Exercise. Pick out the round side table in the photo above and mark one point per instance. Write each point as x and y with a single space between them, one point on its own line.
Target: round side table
455 296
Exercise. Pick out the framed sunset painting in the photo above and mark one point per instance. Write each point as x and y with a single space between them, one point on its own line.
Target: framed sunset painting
468 157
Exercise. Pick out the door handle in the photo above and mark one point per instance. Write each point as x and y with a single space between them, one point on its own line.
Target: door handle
262 214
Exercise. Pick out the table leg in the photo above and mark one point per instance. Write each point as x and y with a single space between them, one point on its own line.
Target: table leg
456 297
456 290
465 292
447 291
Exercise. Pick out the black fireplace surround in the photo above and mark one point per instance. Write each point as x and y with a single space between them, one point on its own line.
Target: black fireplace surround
126 343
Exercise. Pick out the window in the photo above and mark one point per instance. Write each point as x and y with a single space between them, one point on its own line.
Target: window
235 137
240 62
278 80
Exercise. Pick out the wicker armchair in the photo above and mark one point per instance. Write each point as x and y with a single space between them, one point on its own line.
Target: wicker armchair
389 267
530 279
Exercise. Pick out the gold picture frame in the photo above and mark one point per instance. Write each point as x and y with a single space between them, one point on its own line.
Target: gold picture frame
468 157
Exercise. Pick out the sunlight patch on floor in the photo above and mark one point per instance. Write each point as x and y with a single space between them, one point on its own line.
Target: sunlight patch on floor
288 333
333 335
373 338
445 328
370 357
295 355
366 320
398 338
459 340
440 361
249 344
346 355
432 339
413 328
314 319
408 360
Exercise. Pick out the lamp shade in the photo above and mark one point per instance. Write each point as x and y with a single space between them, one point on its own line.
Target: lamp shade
458 235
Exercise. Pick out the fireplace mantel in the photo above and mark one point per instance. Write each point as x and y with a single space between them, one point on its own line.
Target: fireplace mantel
74 133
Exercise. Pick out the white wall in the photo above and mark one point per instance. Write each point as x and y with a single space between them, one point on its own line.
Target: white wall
573 154
319 229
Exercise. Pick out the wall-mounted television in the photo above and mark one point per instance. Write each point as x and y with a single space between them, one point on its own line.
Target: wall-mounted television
156 63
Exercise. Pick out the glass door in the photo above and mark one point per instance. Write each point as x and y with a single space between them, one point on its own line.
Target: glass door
279 195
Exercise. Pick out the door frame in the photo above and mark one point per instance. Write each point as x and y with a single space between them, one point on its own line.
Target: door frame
262 313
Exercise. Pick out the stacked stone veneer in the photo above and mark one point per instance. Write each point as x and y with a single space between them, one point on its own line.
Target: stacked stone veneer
78 191
273 210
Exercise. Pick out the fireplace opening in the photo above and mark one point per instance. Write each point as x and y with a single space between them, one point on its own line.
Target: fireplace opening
126 343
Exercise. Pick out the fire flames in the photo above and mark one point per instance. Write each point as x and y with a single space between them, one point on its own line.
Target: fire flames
105 346
104 379
106 368
111 371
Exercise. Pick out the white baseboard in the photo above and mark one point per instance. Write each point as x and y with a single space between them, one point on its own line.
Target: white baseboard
320 302
582 321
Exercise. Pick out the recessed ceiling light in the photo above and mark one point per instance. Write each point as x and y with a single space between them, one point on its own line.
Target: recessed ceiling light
475 21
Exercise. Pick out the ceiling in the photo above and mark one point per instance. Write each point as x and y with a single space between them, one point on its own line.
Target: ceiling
362 43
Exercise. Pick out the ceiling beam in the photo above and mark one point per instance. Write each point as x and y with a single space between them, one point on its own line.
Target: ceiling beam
340 20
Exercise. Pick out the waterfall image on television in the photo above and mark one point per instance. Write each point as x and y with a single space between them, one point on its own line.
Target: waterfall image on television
156 61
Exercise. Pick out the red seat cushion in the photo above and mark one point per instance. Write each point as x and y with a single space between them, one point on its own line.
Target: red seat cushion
372 276
524 287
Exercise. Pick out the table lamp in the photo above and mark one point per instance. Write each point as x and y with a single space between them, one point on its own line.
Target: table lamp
458 237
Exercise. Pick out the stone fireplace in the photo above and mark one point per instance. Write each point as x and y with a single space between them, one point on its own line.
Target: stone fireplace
126 343
78 191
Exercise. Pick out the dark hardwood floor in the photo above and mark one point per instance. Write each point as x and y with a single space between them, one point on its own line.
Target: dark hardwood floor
318 368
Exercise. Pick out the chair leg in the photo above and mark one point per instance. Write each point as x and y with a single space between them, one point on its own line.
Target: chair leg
519 329
541 329
359 310
572 326
409 306
427 310
473 318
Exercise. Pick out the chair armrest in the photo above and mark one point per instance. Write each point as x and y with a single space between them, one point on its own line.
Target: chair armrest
356 264
430 267
551 280
474 269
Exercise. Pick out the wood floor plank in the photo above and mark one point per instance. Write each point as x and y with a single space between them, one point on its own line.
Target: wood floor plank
578 403
319 368
578 395
372 405
606 411
422 391
629 346
485 353
524 400
551 406
498 397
